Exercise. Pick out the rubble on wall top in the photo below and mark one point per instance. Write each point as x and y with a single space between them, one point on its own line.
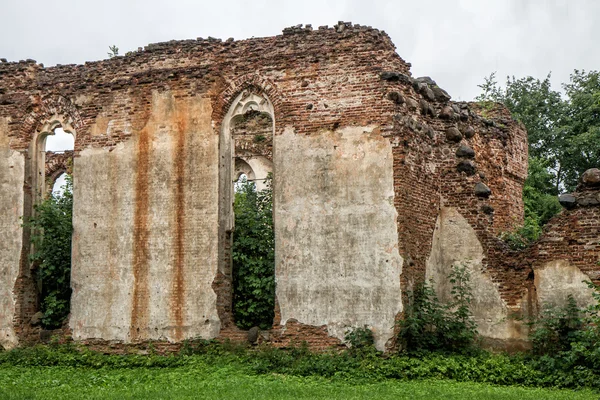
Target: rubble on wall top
215 44
587 193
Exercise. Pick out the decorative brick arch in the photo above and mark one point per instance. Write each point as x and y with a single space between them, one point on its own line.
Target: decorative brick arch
51 111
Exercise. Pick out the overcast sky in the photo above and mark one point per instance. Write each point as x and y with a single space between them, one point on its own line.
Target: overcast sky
456 42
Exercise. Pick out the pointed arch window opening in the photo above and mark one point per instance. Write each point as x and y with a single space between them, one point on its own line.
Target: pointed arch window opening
247 142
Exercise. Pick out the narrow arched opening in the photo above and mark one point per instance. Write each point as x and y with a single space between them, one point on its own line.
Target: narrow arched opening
247 138
51 222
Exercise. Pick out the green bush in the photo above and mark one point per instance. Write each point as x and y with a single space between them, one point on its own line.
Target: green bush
566 342
253 257
347 366
556 328
429 325
359 338
51 232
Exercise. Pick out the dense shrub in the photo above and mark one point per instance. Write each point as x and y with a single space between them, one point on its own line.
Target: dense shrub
429 325
298 361
253 257
360 337
556 328
566 341
51 232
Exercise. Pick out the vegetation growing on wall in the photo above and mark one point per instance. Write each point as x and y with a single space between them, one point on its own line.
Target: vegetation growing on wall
253 256
51 231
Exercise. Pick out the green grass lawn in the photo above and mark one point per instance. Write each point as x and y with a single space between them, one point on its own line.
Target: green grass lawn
203 381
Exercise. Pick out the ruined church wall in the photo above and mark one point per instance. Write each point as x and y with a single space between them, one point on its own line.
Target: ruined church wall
380 181
146 198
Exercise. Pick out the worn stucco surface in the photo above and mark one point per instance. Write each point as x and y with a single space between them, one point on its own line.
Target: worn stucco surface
145 230
558 279
12 167
337 260
455 243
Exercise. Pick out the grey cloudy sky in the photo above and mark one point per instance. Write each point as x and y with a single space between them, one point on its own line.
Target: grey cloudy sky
456 42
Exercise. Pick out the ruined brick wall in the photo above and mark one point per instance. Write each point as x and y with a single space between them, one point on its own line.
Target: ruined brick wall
568 252
380 181
450 154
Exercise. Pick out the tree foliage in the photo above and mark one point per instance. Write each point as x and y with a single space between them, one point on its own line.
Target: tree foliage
51 232
253 256
563 133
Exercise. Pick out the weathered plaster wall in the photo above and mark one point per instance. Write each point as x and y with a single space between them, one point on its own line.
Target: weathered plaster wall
145 229
337 260
556 280
12 170
455 243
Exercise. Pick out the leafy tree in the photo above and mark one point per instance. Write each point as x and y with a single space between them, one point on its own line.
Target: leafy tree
253 256
51 232
563 133
581 126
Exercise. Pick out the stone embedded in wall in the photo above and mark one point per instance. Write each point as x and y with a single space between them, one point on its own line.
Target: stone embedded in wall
465 151
447 113
469 132
466 166
393 76
426 80
453 134
412 104
482 190
396 97
440 94
567 200
587 199
426 108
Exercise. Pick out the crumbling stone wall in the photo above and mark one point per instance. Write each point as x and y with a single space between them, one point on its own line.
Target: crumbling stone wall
380 181
569 250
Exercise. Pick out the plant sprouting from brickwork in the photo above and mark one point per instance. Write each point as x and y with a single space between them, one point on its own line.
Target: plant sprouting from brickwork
253 256
51 231
114 51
